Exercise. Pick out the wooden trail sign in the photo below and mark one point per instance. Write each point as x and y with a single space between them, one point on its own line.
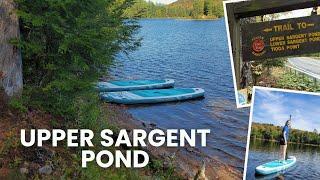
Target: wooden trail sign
280 38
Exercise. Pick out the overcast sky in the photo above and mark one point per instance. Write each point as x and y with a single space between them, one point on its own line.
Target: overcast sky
275 107
297 13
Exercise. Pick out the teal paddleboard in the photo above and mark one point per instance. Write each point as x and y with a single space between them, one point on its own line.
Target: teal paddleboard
152 96
275 166
129 85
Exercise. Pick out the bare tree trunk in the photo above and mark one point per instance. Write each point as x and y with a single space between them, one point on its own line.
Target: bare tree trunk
10 57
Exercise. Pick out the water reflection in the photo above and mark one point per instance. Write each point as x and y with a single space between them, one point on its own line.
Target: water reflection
195 54
307 165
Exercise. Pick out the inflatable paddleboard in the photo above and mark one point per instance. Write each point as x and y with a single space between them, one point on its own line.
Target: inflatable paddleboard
275 166
152 96
134 85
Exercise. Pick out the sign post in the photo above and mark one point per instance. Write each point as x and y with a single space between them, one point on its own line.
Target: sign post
281 38
257 39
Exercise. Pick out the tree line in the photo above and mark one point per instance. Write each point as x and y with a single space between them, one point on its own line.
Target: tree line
273 133
66 46
197 9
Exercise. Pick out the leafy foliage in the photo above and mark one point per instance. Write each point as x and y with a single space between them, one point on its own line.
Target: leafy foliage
273 133
297 82
66 45
180 9
17 105
263 68
268 64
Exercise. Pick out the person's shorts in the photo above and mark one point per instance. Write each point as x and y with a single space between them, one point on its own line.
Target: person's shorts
282 141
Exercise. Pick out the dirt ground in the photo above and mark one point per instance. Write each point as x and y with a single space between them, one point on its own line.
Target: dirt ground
16 160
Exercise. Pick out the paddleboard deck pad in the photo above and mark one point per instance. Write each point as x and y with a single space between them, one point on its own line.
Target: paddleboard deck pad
152 96
130 85
275 166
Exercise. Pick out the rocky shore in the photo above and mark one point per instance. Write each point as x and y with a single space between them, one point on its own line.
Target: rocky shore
17 161
188 162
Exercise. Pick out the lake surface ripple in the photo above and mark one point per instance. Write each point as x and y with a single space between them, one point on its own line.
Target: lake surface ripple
195 54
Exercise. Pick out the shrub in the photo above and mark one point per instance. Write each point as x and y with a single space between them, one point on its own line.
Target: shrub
292 81
66 46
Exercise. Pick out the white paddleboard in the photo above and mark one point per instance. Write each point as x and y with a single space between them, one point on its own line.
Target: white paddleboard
129 85
275 166
152 96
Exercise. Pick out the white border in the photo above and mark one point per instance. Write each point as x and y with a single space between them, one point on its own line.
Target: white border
248 135
231 55
251 116
230 52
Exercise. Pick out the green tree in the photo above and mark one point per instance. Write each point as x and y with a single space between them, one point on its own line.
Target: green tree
66 46
315 131
217 8
181 9
198 8
273 133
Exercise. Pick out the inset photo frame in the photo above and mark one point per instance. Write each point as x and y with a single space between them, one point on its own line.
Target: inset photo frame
273 44
283 135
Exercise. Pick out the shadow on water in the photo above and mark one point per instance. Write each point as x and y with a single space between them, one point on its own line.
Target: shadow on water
307 165
271 176
165 103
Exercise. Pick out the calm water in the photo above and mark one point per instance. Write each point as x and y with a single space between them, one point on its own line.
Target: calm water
195 54
307 166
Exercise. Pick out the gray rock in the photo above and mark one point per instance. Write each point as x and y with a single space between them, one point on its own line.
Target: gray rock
24 170
45 170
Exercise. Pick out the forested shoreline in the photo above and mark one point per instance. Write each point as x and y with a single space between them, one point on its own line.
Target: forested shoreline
189 9
270 132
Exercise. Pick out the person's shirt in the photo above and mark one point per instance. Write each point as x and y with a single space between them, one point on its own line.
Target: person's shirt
286 130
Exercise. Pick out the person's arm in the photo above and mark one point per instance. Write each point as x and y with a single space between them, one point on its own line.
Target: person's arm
285 137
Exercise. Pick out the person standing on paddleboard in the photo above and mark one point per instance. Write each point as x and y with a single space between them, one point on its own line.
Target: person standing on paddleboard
284 139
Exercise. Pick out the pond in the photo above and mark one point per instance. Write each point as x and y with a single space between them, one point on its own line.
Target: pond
306 167
195 54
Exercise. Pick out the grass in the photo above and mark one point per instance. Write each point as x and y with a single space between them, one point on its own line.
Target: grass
294 81
279 77
282 78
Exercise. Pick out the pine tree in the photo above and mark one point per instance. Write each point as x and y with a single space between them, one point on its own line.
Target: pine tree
198 8
66 46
